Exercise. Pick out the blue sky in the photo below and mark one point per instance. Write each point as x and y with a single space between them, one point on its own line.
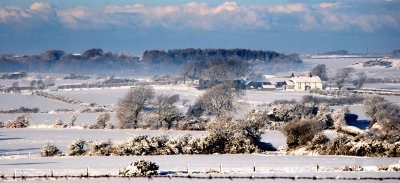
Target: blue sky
309 26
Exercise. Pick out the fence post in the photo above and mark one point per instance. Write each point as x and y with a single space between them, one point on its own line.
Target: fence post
220 168
317 166
87 172
51 173
187 168
254 167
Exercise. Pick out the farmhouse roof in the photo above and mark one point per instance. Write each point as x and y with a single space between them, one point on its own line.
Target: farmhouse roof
308 79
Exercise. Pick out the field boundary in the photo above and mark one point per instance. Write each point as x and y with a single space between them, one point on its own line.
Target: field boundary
210 176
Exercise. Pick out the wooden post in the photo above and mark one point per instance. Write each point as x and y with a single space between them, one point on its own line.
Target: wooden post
220 168
254 167
317 166
187 168
87 172
15 174
52 173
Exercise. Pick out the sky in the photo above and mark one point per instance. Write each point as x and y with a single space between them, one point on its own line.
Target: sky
287 26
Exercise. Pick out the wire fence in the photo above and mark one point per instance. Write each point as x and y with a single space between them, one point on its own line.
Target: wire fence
210 177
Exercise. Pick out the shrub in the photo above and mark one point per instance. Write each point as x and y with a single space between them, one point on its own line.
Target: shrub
59 124
140 168
185 144
21 121
192 123
78 147
299 133
339 146
100 148
142 145
102 119
49 150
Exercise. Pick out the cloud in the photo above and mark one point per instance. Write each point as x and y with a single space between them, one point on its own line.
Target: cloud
201 16
40 6
289 8
327 5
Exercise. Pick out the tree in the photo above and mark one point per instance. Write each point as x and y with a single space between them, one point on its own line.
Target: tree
52 55
166 109
360 80
102 119
383 112
320 70
217 100
92 53
223 70
132 104
342 76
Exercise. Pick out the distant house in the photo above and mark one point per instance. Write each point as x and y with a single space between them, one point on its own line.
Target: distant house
259 83
302 83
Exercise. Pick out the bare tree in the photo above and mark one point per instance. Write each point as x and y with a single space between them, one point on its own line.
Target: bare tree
131 105
218 99
383 112
342 76
102 119
222 70
360 80
320 70
192 70
166 109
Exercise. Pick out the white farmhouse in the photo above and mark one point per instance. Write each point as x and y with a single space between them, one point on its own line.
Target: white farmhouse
302 83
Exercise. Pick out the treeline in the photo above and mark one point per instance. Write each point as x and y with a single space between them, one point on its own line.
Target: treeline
95 60
181 56
92 61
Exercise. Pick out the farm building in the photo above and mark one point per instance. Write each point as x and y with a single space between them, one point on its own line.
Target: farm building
302 83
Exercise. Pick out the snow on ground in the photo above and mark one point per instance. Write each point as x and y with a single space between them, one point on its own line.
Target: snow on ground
50 119
200 164
30 140
15 101
112 95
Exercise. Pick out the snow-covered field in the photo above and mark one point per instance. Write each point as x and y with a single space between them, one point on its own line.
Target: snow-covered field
19 148
30 140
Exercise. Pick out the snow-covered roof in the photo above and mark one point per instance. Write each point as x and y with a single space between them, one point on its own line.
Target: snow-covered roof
308 79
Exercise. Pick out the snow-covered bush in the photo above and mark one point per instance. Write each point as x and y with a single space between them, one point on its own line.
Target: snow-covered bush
102 119
300 132
192 123
59 124
100 148
140 168
78 147
185 144
142 145
318 141
339 146
49 150
21 121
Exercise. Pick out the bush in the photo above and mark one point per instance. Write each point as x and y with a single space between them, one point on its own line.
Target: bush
189 123
185 144
49 150
142 145
299 133
78 147
140 168
21 121
102 119
59 124
100 148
